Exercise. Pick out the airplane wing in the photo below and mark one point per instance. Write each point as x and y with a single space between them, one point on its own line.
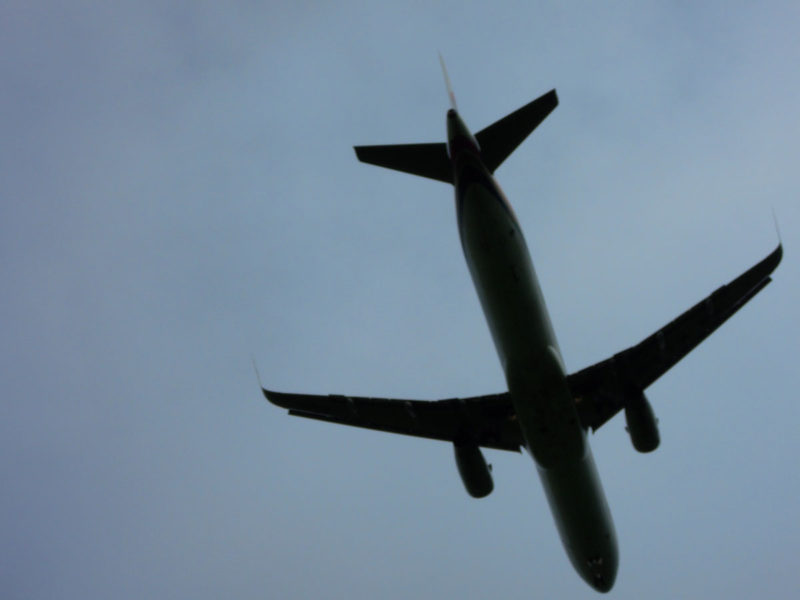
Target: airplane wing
488 421
602 390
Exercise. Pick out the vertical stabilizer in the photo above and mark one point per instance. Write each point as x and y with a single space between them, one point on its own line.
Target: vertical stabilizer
447 83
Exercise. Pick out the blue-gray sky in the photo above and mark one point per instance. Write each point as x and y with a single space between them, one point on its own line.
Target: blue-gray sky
179 193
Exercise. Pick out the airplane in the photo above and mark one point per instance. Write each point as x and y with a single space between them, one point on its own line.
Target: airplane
545 410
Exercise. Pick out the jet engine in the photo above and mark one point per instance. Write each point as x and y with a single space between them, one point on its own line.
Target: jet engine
642 424
474 471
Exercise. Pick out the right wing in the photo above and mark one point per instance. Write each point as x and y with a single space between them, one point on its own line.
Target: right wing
602 390
488 421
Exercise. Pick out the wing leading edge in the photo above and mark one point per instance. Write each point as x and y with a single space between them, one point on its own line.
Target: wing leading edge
602 390
488 421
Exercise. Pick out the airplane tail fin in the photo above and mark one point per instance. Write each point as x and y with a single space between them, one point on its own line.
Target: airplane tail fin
496 142
501 138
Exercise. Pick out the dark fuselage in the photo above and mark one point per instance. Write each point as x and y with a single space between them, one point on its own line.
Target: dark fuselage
504 277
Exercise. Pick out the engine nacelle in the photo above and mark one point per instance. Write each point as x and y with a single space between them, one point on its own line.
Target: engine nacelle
642 424
474 471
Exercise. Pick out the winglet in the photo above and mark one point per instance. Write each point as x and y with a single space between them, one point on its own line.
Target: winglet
774 259
255 368
777 228
268 394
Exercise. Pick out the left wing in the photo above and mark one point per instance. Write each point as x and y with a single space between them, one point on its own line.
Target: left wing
602 390
488 421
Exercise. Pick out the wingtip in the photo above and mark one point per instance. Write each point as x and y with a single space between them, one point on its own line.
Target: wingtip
777 254
771 261
276 398
269 395
362 153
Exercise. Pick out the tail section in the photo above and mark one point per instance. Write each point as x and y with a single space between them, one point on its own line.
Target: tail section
497 142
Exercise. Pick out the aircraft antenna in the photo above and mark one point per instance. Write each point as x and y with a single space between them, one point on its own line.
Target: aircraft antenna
447 83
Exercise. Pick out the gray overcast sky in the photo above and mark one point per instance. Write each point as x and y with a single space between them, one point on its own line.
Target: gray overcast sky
179 193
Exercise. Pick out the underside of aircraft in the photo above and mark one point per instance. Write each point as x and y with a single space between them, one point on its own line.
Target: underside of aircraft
544 410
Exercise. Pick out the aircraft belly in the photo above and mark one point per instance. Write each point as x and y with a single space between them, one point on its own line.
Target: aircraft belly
505 280
583 519
506 283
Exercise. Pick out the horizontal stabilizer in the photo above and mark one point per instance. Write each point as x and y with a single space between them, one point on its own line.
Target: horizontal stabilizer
501 138
426 160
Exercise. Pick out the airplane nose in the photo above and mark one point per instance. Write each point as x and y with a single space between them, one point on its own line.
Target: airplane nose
602 574
601 584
